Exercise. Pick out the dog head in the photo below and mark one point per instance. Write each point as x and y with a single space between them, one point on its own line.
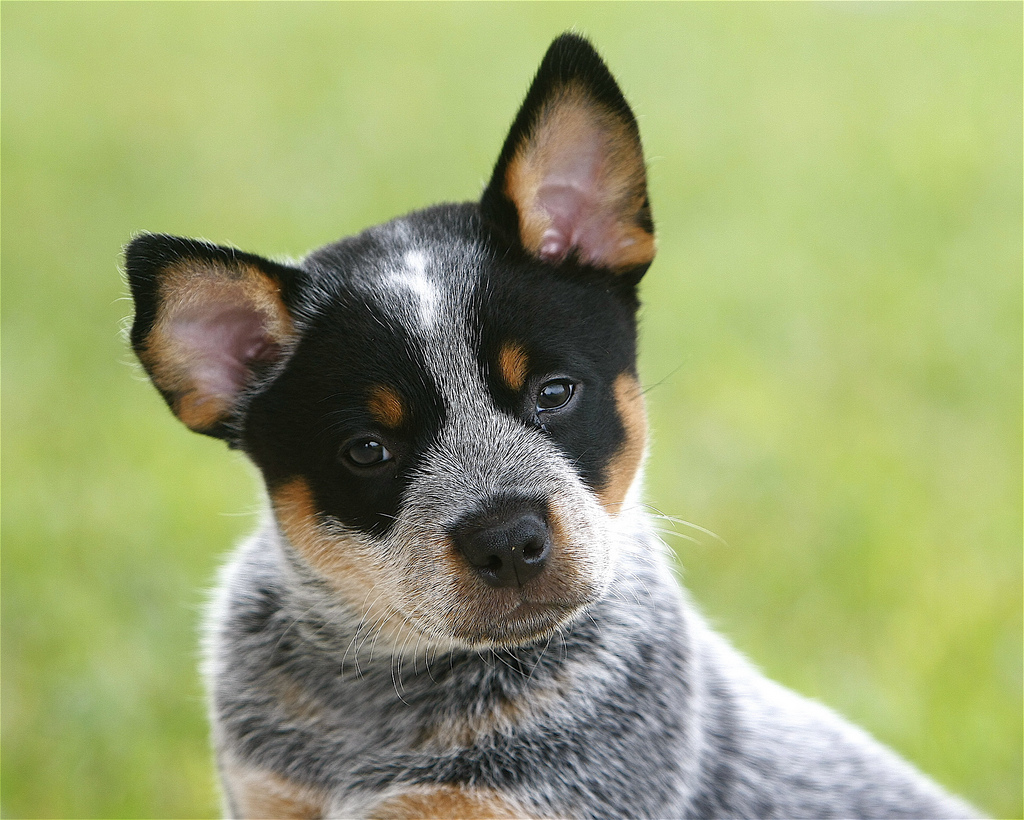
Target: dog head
444 408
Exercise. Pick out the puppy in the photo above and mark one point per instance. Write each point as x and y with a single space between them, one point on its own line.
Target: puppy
455 606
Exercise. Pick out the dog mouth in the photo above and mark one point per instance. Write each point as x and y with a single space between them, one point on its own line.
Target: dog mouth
518 623
474 624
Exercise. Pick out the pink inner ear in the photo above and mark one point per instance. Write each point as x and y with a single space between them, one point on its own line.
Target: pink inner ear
579 197
577 221
220 343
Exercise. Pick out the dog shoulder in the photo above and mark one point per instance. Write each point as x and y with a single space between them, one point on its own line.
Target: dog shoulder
775 753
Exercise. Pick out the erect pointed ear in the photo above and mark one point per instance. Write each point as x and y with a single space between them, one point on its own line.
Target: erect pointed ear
208 320
570 179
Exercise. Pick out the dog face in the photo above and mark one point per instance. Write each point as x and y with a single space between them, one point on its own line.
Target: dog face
445 407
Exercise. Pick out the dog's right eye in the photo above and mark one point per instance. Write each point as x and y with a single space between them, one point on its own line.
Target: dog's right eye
555 394
367 452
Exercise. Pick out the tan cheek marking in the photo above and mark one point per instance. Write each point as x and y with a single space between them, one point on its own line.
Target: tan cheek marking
259 793
513 365
566 566
450 802
622 182
386 406
576 570
297 514
624 464
344 563
176 365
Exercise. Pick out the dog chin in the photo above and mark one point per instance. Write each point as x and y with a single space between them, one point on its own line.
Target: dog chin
530 624
507 625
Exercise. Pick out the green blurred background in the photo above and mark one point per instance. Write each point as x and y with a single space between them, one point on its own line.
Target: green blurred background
831 333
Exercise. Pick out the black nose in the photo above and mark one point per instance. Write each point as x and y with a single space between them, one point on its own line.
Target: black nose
507 544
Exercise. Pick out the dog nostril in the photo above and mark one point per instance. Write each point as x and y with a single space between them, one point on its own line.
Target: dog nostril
534 548
507 545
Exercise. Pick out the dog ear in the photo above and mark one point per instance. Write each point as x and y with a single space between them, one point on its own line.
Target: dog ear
208 321
570 180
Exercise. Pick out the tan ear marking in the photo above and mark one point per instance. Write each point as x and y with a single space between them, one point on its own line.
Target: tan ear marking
177 350
623 467
582 153
386 406
513 365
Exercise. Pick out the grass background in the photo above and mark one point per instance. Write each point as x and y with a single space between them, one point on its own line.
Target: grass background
831 334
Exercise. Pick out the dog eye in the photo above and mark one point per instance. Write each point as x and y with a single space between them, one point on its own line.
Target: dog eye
554 394
367 452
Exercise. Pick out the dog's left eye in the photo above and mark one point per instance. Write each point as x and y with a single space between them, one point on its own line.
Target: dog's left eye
554 394
367 453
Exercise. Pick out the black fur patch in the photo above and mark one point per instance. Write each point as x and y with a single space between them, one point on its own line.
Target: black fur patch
302 423
572 322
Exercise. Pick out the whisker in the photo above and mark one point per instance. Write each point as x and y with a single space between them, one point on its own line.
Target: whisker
656 513
540 657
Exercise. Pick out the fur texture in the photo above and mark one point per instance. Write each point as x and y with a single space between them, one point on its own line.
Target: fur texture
455 607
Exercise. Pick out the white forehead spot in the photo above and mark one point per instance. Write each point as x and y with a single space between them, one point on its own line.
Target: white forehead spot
413 282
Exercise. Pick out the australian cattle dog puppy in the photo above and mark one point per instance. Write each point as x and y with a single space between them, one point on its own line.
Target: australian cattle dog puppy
455 606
